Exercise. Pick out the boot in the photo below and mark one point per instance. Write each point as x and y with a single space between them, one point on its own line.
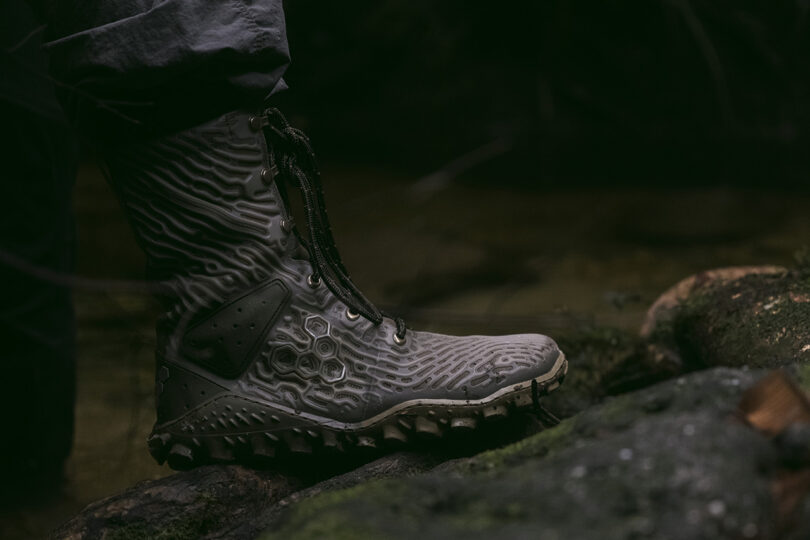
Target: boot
266 346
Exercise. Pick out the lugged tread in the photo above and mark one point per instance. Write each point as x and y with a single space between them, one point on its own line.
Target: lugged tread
182 452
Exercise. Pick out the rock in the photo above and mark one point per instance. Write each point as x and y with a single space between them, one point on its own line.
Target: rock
669 461
598 360
397 465
605 361
208 502
663 462
758 320
683 458
663 309
222 501
798 526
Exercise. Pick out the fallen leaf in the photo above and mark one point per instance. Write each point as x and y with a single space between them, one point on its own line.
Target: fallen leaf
774 403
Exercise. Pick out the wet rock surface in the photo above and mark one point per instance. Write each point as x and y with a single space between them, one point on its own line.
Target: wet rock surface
760 319
208 500
225 501
664 462
655 444
598 359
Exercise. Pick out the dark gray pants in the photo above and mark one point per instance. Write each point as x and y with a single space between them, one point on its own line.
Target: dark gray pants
157 64
120 68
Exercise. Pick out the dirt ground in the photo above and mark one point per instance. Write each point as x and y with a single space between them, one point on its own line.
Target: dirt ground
455 257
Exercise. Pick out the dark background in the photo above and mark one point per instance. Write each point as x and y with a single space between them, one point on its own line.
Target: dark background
537 166
662 92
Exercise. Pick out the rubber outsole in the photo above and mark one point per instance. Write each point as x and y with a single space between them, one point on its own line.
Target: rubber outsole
265 435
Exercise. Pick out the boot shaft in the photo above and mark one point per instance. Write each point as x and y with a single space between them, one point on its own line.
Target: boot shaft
213 225
204 209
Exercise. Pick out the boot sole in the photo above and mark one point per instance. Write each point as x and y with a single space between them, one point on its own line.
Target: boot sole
258 432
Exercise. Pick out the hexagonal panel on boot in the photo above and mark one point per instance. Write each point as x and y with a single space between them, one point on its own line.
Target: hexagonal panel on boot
308 365
325 347
316 326
284 359
333 370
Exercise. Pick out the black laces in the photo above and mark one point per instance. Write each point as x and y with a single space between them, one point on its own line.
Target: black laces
293 155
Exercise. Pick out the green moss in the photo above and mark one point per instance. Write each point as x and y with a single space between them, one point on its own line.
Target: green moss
601 350
321 516
802 373
332 525
617 410
600 359
339 514
131 531
545 443
480 516
180 529
755 321
530 486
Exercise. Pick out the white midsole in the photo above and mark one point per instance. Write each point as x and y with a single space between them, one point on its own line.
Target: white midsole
555 372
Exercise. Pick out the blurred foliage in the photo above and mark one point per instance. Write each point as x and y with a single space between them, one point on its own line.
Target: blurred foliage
632 90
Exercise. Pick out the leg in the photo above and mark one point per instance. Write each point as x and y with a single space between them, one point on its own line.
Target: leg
137 66
36 226
266 345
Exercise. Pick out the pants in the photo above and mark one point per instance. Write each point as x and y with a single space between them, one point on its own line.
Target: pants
115 69
138 65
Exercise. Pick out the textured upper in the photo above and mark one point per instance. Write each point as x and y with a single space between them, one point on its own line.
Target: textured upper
239 305
356 370
210 225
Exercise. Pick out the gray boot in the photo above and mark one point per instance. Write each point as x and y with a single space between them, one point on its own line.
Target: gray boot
266 346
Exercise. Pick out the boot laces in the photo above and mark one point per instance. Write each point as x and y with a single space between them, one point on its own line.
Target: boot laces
295 159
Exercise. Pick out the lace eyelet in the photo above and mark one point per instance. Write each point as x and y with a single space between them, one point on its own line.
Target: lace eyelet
399 340
351 315
266 175
255 123
286 225
312 281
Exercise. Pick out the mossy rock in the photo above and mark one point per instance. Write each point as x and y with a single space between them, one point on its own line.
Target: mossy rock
669 461
757 321
226 501
594 355
183 506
